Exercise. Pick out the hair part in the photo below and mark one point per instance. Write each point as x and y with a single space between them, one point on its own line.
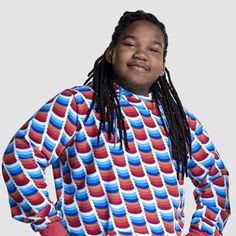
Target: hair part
107 104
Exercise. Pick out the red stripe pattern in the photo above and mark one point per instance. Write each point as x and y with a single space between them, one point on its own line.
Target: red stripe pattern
103 189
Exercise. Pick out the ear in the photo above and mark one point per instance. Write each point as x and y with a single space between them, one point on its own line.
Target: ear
163 69
109 54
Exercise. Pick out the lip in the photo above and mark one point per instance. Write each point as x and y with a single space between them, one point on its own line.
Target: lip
138 66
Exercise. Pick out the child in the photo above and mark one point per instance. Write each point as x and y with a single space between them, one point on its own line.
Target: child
120 147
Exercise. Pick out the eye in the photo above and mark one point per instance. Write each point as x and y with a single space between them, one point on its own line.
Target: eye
129 44
155 50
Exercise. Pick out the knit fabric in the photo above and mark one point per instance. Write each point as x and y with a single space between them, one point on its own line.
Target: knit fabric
103 189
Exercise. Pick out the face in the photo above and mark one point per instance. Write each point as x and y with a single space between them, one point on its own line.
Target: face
137 59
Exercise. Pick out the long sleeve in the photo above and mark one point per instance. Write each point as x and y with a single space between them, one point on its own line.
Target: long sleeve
34 147
210 178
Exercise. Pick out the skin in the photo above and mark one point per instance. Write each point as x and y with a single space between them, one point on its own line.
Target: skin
137 59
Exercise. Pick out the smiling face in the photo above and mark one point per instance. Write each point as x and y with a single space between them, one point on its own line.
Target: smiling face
137 59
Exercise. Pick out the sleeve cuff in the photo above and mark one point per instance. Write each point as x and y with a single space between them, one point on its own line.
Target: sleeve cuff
54 228
194 232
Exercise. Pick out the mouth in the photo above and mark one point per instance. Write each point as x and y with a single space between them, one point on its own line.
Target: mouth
138 67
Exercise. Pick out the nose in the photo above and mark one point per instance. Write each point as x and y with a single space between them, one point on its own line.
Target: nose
140 54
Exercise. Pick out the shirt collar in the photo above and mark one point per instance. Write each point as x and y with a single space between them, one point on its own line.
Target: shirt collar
132 96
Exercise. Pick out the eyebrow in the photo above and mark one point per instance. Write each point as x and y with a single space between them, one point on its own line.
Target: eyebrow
135 38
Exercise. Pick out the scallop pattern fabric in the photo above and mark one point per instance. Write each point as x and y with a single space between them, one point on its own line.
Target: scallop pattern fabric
103 189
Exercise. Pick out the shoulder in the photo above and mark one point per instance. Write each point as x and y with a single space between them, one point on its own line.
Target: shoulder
80 93
75 96
82 98
84 91
191 119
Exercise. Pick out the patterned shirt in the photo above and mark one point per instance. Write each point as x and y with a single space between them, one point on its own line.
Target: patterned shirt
103 189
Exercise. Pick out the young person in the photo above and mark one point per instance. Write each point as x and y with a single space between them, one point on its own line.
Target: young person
120 147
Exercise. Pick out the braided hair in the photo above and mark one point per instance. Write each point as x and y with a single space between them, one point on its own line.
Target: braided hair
107 104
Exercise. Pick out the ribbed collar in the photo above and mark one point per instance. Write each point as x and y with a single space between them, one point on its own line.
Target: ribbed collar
132 97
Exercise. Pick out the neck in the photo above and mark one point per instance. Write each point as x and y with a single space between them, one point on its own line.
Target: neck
138 90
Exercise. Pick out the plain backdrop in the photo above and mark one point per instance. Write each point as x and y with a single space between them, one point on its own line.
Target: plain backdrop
47 46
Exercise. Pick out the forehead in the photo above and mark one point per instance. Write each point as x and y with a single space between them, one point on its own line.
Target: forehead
142 28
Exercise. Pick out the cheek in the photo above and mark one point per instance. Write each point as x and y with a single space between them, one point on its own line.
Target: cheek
158 67
118 61
121 55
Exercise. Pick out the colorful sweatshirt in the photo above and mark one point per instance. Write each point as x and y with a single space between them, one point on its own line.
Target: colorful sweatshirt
103 189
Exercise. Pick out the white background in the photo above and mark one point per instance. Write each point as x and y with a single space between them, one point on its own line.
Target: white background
47 46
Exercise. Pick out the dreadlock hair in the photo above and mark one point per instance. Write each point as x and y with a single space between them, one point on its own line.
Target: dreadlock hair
107 104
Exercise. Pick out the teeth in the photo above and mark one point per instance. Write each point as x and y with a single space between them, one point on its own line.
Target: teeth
139 68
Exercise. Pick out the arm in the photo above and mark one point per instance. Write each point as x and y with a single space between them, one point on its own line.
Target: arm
210 177
34 147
